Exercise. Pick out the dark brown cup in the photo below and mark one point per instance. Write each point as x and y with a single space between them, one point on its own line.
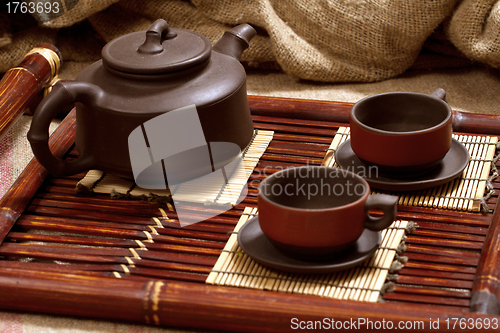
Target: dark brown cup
403 134
314 213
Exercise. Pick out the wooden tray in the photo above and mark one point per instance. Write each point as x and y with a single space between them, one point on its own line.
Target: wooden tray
451 279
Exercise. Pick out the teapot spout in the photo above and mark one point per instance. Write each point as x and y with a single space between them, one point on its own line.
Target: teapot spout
235 41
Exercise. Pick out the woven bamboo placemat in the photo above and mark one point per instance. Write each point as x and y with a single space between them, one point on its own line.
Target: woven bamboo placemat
99 182
467 192
362 283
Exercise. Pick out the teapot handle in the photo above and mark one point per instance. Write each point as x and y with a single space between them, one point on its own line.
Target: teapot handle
62 95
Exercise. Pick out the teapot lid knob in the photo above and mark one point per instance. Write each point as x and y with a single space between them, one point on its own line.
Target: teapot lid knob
158 50
155 35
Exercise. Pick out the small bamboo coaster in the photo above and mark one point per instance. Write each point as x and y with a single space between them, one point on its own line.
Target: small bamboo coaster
362 283
98 182
465 193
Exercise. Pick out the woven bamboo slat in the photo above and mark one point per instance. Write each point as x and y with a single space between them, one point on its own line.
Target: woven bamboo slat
235 268
99 182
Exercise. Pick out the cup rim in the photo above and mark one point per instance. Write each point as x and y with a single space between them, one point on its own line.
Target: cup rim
380 131
361 198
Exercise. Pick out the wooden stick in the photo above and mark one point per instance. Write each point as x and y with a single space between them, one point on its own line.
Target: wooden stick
203 259
28 249
412 239
322 111
23 82
423 225
33 221
424 299
166 274
413 253
68 257
24 237
305 145
486 288
436 274
328 132
432 281
17 198
53 267
194 305
458 293
204 269
323 140
440 267
462 254
447 235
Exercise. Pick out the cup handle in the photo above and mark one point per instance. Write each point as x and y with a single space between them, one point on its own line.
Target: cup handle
62 95
384 202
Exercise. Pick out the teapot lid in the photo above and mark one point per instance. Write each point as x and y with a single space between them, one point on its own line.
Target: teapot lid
158 50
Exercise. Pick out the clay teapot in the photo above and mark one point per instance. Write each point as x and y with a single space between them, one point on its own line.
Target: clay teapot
142 75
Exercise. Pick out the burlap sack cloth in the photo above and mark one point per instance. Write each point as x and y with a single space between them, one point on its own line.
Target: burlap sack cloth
329 41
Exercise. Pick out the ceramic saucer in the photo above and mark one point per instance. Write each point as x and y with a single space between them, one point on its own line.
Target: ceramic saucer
253 241
451 167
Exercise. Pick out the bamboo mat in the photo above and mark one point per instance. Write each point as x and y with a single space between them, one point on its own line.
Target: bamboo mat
362 283
99 182
467 192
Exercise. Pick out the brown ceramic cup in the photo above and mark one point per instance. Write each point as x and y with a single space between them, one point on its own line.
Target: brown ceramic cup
314 213
403 134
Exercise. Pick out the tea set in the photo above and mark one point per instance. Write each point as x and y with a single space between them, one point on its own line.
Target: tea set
311 219
405 137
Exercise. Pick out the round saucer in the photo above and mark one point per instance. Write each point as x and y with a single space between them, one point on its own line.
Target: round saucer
450 167
253 241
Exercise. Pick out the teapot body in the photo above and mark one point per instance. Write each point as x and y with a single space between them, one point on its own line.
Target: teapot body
126 102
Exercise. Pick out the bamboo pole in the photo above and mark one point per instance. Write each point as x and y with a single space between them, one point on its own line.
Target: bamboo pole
21 84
